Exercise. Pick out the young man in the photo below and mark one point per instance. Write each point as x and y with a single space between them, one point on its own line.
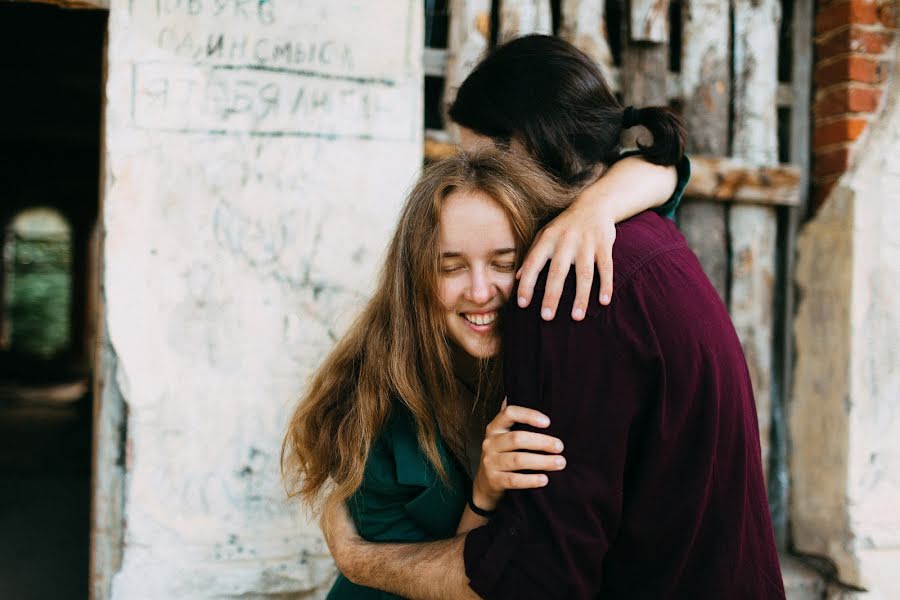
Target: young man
663 493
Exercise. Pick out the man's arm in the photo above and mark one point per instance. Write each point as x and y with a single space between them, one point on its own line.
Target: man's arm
429 570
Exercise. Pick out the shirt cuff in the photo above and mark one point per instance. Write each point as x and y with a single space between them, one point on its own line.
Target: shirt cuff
487 552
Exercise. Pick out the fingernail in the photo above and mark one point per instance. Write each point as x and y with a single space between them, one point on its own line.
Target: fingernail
544 479
577 313
523 302
560 462
546 314
604 299
558 446
544 421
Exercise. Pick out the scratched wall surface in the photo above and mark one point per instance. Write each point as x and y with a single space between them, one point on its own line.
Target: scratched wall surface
256 154
845 415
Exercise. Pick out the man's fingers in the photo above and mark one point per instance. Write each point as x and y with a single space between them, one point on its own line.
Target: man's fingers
532 266
528 461
584 279
526 440
512 414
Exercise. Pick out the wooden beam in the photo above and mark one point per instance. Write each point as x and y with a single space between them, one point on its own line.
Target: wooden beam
583 24
521 17
468 37
733 180
705 87
754 229
650 21
716 179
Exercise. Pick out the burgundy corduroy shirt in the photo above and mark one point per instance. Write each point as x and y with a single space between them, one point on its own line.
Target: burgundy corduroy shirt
663 494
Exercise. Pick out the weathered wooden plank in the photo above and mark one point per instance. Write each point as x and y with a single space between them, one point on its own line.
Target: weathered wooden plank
706 91
583 24
732 180
650 21
521 17
753 229
468 37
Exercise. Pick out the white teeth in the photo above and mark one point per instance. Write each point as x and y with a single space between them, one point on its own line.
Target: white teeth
483 319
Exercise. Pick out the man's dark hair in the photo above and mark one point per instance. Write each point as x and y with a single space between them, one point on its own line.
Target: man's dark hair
551 97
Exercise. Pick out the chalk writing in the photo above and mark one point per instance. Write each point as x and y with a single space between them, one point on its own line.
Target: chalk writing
257 11
259 100
246 48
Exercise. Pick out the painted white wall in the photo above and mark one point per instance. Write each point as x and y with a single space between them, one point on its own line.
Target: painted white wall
845 415
256 156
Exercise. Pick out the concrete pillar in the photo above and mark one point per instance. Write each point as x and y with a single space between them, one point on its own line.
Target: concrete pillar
256 155
845 414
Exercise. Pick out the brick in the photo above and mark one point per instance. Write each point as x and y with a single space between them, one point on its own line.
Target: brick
844 130
862 12
853 39
846 99
887 14
833 162
850 68
820 193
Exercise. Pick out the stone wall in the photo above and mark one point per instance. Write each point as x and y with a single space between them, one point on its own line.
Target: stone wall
256 154
845 415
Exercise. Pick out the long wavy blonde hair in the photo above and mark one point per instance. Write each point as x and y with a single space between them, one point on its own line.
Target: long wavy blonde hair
397 350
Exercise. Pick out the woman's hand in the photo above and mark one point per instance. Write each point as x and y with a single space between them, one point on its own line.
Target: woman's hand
504 452
584 234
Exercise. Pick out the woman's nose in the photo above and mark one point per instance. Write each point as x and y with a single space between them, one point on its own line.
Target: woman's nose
479 287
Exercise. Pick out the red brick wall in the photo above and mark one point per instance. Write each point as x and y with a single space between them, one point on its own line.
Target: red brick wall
853 60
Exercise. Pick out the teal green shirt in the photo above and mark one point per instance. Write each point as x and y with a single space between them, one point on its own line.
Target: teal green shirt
402 498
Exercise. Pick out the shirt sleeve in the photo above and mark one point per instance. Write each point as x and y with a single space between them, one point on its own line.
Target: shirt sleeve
551 542
683 170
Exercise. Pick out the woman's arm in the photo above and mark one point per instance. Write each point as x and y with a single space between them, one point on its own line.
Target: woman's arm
584 233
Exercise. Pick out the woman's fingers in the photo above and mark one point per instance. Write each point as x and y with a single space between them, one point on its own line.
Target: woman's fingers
560 264
522 481
605 266
512 414
523 440
538 255
528 461
584 279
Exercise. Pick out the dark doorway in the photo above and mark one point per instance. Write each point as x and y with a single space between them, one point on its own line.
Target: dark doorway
51 62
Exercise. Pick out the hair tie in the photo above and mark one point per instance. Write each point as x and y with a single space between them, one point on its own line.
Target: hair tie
629 117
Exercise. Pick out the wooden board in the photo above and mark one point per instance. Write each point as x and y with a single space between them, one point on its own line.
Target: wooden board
753 229
732 180
583 24
468 37
706 93
650 21
521 17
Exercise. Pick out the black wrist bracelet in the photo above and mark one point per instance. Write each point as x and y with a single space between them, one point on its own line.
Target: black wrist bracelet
480 511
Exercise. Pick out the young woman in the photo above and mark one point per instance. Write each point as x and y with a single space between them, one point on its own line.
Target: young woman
388 422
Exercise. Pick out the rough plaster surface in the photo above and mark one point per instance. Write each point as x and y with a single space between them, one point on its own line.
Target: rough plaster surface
845 417
256 156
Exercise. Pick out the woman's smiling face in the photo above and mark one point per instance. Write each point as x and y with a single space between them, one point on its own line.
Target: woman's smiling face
477 271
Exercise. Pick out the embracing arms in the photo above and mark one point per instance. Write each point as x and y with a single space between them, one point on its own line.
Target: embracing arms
584 233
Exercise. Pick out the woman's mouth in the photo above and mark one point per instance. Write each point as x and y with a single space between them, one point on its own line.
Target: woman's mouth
480 322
